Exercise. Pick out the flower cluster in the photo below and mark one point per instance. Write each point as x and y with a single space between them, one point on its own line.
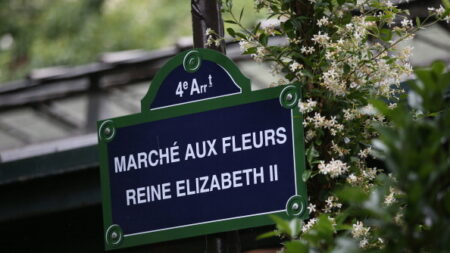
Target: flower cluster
440 12
342 61
360 232
212 38
334 168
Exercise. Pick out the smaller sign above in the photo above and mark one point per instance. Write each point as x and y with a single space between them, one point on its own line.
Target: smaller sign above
194 81
197 78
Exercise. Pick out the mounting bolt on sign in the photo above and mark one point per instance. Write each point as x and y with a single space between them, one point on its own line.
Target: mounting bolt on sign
289 96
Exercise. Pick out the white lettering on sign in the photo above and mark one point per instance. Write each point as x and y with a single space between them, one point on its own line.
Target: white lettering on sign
201 185
223 145
254 140
151 193
200 149
194 88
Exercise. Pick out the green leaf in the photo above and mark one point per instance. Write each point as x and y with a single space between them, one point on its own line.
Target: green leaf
418 22
229 21
231 32
257 27
263 38
267 235
371 18
438 67
251 50
385 34
240 15
282 225
380 106
325 228
311 154
352 195
306 175
346 68
240 35
295 226
274 8
296 247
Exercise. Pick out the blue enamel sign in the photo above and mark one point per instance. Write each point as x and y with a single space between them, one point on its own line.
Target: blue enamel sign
205 155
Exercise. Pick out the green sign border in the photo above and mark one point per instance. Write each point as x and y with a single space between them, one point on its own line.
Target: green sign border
288 95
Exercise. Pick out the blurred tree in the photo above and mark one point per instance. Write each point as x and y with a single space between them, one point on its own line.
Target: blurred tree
42 33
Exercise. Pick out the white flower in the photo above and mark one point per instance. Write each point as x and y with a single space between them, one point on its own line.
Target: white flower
295 66
339 150
311 208
370 173
360 2
307 106
406 53
349 114
246 44
363 243
259 2
294 40
321 39
334 168
352 179
398 219
331 203
320 121
323 21
359 231
260 53
307 50
437 12
349 26
390 198
209 31
209 41
276 69
392 105
363 153
406 23
310 134
309 225
368 110
271 28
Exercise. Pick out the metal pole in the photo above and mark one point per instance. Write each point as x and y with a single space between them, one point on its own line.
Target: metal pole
207 14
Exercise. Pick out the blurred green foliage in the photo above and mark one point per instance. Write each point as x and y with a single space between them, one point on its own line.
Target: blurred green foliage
42 33
70 32
415 149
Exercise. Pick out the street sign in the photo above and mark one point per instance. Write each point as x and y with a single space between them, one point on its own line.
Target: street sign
205 155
